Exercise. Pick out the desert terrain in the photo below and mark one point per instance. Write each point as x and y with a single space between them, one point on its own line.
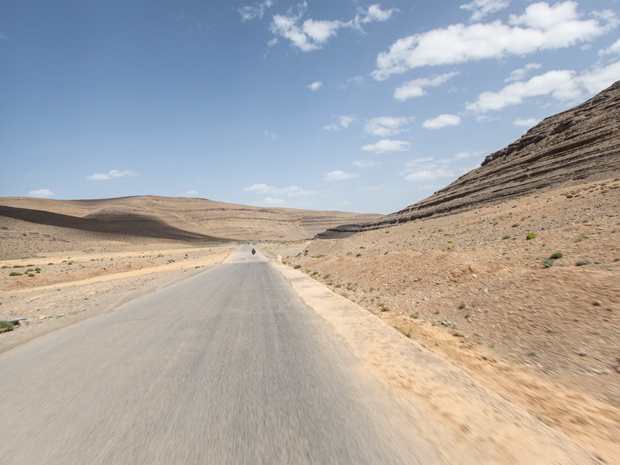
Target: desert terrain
471 287
511 274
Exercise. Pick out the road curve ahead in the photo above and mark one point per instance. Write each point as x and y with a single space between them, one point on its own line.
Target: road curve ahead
226 367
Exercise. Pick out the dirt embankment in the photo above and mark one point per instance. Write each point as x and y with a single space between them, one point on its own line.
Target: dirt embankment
542 332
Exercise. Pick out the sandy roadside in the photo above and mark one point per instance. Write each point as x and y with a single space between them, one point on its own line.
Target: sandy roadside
448 406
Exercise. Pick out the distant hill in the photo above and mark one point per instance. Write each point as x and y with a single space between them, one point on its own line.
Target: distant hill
564 149
167 218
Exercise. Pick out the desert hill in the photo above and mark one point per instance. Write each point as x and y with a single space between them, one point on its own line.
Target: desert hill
566 149
56 224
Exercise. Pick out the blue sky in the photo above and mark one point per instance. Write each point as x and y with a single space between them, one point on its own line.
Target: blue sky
334 105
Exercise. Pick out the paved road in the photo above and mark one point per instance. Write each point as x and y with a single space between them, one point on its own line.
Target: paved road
226 367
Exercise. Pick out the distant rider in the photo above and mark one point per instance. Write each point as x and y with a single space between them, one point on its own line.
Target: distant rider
253 251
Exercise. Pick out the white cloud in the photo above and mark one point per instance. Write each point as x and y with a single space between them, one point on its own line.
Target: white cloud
344 121
256 11
424 169
613 49
291 191
467 154
366 163
562 85
387 145
372 13
441 122
270 135
526 123
272 42
110 174
338 175
416 87
600 78
274 201
521 73
386 125
42 193
315 85
482 8
311 34
541 27
189 194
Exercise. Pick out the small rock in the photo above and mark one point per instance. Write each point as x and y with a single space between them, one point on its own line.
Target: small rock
582 352
597 303
596 371
42 317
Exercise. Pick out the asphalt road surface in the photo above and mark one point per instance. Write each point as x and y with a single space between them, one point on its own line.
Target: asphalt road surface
226 367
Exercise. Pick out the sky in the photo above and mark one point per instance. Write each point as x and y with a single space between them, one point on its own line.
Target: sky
320 104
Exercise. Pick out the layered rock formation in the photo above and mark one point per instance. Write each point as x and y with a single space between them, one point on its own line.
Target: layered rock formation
564 149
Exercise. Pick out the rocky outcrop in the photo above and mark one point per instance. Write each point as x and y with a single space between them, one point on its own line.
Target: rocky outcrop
565 149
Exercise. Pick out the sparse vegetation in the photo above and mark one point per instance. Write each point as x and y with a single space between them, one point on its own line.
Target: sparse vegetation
297 267
583 262
530 236
556 255
6 326
506 237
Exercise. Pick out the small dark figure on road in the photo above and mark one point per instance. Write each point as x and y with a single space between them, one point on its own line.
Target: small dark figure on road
253 251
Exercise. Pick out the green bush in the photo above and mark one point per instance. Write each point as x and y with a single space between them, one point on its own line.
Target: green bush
557 255
505 237
14 273
359 255
297 267
548 262
530 236
583 262
6 326
515 225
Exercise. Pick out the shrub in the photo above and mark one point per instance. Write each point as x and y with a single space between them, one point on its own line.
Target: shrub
314 273
548 262
515 225
14 273
18 266
505 237
583 262
530 236
383 307
557 255
297 267
6 326
359 255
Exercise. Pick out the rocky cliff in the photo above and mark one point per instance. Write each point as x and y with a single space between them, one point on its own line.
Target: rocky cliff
564 149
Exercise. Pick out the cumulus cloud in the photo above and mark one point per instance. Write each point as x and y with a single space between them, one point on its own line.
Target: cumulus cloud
344 121
562 85
41 193
273 201
191 193
481 8
366 163
521 73
387 145
291 191
416 87
311 34
441 122
541 27
338 175
386 125
110 174
599 78
525 122
467 154
425 169
613 49
315 85
255 11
